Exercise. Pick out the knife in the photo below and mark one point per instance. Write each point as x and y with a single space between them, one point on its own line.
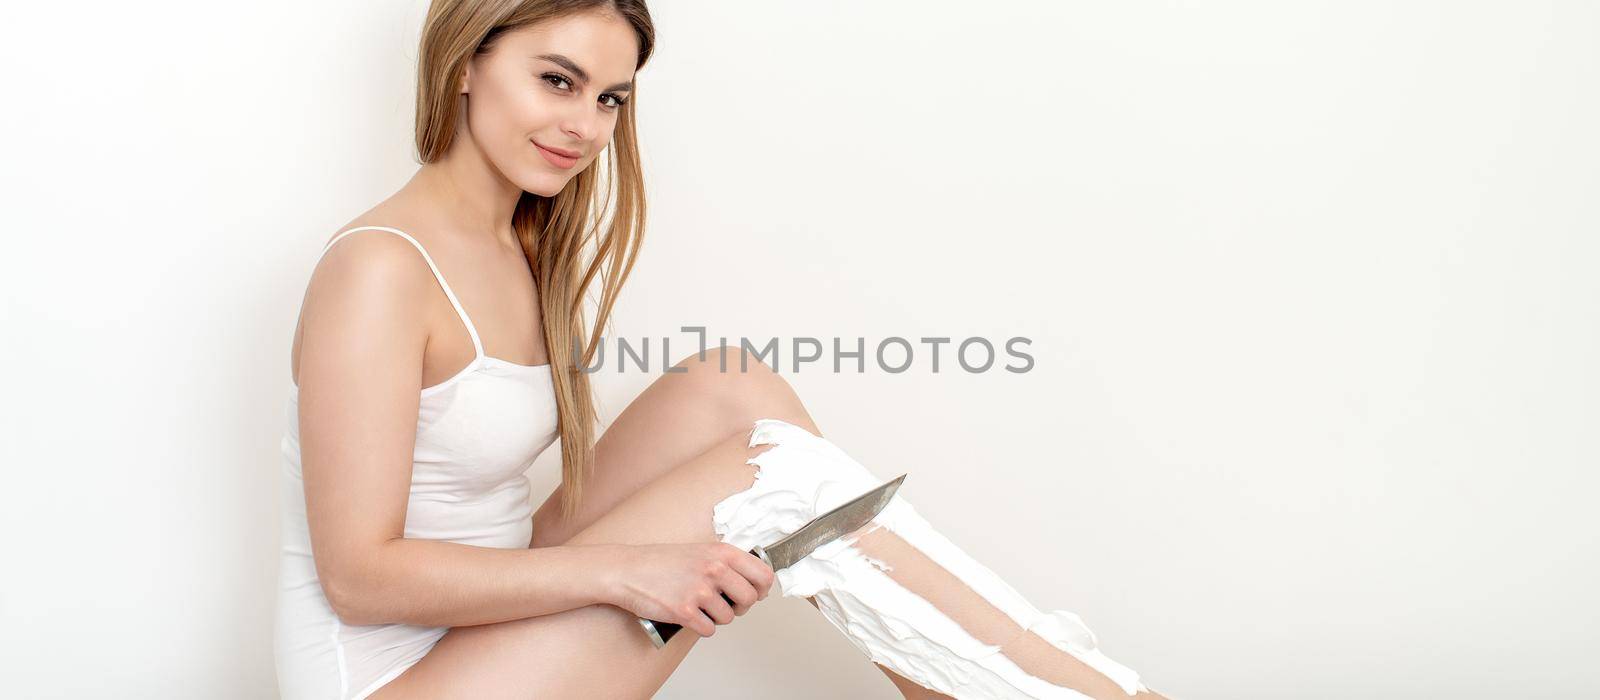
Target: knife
797 545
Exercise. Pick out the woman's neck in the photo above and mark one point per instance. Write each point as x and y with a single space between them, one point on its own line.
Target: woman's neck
469 192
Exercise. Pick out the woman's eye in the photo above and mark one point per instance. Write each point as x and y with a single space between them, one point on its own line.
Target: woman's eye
561 82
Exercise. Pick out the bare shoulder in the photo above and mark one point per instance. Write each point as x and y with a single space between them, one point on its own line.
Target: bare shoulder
373 249
371 288
366 272
368 244
363 312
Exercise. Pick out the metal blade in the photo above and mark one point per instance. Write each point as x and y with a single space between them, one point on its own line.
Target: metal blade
831 525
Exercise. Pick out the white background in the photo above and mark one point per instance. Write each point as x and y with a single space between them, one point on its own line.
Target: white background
1310 286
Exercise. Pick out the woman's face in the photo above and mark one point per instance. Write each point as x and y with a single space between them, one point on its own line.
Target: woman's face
543 103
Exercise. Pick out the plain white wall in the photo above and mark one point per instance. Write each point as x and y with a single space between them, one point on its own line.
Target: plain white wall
1310 286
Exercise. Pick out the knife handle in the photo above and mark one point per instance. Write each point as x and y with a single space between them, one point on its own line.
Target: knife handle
661 632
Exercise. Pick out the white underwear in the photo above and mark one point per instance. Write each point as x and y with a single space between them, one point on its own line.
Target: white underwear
803 476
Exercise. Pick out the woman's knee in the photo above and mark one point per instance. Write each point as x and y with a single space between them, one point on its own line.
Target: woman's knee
724 360
741 384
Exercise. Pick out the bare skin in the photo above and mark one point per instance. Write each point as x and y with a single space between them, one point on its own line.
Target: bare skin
555 619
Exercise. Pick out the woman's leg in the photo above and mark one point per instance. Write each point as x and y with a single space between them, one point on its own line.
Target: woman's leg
680 415
983 621
904 594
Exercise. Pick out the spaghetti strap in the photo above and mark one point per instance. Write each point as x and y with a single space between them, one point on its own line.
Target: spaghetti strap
477 344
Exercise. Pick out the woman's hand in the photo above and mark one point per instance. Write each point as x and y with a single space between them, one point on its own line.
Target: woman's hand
684 583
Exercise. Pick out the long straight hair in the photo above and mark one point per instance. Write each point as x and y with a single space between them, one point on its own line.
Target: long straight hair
555 232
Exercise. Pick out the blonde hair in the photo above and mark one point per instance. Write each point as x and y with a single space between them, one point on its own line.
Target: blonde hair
554 231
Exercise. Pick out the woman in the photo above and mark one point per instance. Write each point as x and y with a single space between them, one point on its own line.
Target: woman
427 377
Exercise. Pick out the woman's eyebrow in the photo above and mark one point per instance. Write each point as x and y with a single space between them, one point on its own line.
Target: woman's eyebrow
583 76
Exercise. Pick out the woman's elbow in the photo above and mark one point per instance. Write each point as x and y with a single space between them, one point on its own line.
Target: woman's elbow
350 603
350 591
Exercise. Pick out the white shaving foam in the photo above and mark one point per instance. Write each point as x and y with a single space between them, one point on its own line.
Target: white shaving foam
805 475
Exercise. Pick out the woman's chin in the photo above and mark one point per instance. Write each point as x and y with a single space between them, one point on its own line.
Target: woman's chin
544 185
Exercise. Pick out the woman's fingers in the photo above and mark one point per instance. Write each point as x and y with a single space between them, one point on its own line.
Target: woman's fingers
716 607
696 620
738 590
755 572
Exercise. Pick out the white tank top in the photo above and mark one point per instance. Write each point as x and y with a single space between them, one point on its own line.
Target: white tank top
477 432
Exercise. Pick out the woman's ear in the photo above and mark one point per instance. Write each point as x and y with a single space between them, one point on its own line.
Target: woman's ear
466 78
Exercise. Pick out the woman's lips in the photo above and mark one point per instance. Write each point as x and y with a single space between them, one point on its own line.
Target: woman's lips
556 159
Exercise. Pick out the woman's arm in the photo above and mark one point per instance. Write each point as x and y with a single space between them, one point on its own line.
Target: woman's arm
362 342
445 584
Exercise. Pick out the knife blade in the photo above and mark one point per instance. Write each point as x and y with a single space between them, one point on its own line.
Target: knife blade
825 528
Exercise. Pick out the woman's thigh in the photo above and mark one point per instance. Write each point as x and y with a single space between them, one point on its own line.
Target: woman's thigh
678 416
598 650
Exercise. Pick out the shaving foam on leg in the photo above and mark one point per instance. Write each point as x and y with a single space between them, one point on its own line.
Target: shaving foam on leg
803 476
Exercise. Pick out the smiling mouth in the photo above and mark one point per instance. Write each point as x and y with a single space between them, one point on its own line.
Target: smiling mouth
564 162
559 151
556 158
